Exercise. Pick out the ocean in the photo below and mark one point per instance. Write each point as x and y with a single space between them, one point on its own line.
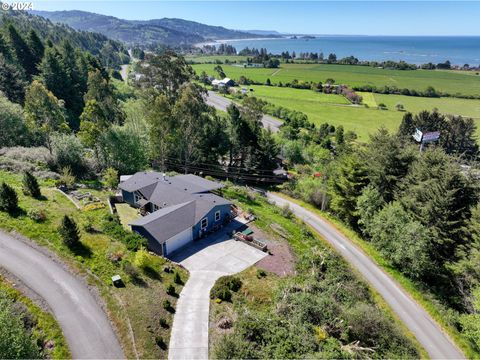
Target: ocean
459 50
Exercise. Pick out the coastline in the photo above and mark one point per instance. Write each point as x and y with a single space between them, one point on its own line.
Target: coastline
224 41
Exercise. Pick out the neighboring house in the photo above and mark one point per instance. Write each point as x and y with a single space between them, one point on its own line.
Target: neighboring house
223 83
177 209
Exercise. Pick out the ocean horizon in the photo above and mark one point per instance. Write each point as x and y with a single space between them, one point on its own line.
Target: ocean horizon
459 50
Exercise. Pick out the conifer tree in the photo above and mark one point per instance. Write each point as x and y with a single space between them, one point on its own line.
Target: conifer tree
8 199
30 185
69 232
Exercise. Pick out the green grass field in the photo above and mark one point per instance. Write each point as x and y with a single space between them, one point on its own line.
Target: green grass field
335 109
445 81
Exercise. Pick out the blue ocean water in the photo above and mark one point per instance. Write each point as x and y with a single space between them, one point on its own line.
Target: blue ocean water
459 50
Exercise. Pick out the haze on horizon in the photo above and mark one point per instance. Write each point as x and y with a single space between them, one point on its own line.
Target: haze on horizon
413 18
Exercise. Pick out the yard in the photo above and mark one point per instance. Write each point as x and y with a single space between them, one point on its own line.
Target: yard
127 214
142 322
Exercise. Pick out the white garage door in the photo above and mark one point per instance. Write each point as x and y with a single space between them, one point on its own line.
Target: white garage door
179 240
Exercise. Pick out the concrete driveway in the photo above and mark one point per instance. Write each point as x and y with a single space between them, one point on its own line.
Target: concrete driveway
207 260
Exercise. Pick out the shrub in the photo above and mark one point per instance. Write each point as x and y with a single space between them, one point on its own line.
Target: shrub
224 286
261 273
30 185
160 342
167 305
37 215
8 199
110 178
171 290
163 323
287 212
131 271
69 232
66 178
177 279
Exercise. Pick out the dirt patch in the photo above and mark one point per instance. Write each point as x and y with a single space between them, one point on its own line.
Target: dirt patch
280 262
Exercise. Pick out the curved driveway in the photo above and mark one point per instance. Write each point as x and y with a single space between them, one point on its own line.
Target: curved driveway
221 103
431 337
86 328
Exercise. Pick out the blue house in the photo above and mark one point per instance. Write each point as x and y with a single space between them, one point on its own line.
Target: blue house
178 209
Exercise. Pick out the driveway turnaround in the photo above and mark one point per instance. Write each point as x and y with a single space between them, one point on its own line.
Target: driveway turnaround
84 323
207 260
428 333
221 103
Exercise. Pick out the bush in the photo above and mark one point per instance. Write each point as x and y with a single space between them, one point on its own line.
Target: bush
30 185
261 273
171 290
67 178
8 199
177 279
37 215
163 323
69 232
131 271
224 286
160 342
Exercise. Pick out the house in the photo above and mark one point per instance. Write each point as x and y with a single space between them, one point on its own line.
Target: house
227 82
177 209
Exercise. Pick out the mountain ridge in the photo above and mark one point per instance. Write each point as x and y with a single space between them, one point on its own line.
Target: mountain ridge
166 31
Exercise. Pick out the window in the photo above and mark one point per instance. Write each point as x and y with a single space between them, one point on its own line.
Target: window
204 223
136 197
217 216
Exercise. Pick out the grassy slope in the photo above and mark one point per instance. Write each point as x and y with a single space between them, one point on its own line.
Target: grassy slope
136 308
451 82
46 328
420 294
256 293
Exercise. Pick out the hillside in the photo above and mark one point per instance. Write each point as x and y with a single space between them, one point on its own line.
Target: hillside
88 41
158 31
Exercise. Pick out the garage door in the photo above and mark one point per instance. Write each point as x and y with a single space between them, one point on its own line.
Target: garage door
179 240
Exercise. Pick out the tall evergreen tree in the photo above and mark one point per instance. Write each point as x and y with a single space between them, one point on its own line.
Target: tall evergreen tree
22 51
36 48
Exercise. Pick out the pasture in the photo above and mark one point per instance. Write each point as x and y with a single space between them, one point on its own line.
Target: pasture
336 110
445 81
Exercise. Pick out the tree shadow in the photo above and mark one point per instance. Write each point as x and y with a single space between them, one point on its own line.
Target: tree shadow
152 273
18 212
82 250
138 281
41 198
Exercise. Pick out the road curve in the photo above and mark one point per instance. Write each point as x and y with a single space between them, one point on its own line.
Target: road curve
221 103
428 333
85 325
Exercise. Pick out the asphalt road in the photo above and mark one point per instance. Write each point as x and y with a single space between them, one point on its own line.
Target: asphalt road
428 333
221 103
85 325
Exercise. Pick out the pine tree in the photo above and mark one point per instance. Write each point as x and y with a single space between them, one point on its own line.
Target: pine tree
30 185
21 51
69 232
8 199
36 48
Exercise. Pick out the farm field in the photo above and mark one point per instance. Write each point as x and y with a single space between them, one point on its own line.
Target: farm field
454 106
445 81
334 109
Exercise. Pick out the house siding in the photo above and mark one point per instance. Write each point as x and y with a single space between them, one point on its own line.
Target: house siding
152 243
128 197
225 210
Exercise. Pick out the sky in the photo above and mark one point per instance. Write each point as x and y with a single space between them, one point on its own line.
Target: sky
300 17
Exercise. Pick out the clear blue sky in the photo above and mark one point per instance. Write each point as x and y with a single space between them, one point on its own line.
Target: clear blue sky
312 17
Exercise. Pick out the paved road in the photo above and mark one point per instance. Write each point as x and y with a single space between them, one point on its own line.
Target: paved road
428 333
206 260
84 323
221 103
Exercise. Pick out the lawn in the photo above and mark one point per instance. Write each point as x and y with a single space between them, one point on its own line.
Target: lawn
334 109
127 214
445 81
137 308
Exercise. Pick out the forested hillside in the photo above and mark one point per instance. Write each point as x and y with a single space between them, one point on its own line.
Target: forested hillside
97 44
172 32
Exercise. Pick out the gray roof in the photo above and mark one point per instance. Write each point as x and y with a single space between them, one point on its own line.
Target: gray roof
165 223
183 201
